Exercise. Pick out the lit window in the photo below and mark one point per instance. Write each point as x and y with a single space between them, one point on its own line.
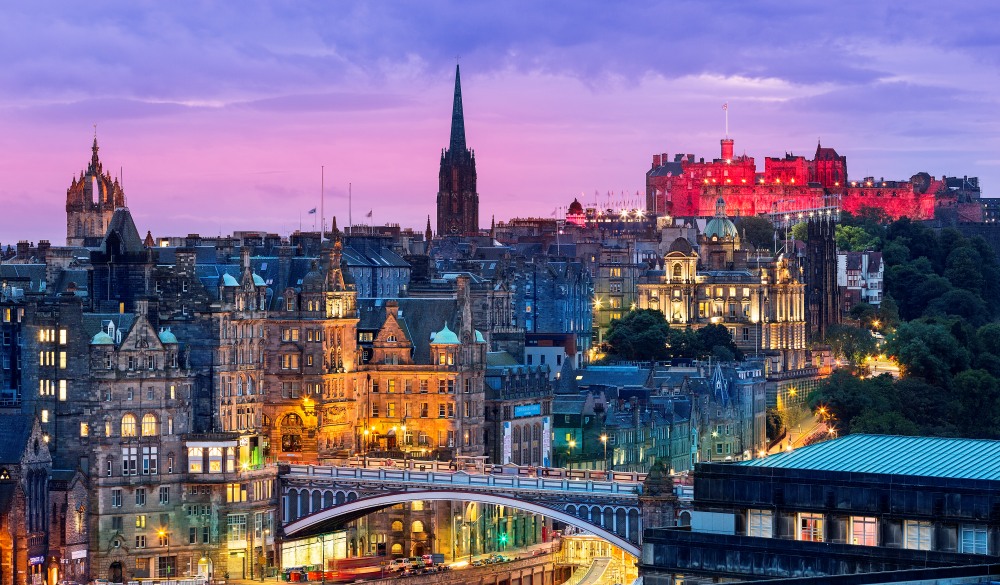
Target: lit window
148 425
84 429
62 390
864 531
760 523
917 535
811 527
45 415
128 425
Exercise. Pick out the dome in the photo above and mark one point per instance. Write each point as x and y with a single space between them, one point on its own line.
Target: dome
720 226
575 208
258 281
445 336
479 337
102 338
167 337
229 280
314 279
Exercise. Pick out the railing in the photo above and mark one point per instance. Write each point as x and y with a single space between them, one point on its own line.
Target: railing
627 484
489 469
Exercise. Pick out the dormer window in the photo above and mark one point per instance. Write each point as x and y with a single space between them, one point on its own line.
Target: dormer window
391 338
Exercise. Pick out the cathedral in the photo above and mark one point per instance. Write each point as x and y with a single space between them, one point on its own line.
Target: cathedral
457 199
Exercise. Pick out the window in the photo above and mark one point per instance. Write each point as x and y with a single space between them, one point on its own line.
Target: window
192 535
408 386
129 457
375 410
84 429
116 497
128 425
423 386
45 415
164 495
149 460
760 523
148 425
864 531
974 540
236 492
195 459
390 410
140 541
441 411
423 410
140 496
811 527
237 527
62 390
117 523
140 521
917 535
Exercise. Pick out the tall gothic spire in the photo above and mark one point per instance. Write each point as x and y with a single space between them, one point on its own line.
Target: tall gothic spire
457 144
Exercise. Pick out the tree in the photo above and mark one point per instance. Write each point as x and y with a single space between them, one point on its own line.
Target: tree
853 343
800 231
758 230
712 336
929 351
962 269
855 239
639 335
864 314
976 404
961 303
775 426
846 397
883 423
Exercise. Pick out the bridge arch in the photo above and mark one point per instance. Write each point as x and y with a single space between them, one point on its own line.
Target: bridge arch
333 518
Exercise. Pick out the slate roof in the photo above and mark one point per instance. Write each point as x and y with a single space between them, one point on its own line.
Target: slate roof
667 169
615 376
95 322
892 455
15 430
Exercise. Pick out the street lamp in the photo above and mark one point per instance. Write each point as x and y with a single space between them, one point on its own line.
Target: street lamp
569 453
604 439
164 540
364 449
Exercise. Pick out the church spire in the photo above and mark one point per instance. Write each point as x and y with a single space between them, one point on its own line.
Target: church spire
457 144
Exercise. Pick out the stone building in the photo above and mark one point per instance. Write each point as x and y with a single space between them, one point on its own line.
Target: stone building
518 412
25 466
760 300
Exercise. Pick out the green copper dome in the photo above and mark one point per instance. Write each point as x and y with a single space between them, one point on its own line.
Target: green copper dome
102 338
720 226
445 336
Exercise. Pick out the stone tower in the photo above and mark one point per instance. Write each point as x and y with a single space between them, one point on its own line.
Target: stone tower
457 200
91 200
822 292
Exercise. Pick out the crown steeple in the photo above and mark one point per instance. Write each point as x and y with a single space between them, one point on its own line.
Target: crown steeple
457 143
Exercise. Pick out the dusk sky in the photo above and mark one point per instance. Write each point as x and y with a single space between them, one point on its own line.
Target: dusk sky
220 114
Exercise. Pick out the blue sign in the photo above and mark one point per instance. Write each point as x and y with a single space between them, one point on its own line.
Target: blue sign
36 560
527 410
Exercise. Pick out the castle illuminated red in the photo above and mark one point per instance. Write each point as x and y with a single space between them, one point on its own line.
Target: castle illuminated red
685 187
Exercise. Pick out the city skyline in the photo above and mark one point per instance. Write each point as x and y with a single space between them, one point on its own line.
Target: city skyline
214 116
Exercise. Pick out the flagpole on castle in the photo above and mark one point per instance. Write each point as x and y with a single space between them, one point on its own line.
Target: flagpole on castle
322 202
725 108
350 221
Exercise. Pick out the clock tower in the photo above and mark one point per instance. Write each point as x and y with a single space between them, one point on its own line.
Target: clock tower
457 199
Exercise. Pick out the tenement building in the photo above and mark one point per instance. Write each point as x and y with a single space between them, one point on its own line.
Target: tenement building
859 504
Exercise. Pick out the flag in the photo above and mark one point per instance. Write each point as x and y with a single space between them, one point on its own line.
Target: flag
312 211
725 106
370 213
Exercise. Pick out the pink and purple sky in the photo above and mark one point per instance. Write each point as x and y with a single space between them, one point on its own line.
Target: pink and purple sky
220 114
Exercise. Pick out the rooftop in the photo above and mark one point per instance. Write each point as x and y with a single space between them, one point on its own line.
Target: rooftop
892 455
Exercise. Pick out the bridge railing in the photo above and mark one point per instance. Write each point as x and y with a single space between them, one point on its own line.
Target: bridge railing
472 480
490 469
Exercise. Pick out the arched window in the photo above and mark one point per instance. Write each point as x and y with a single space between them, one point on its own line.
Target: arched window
417 526
397 526
677 270
397 549
148 425
128 425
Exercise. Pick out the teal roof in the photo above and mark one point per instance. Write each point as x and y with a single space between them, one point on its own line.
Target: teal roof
258 281
915 456
479 337
102 338
721 227
445 336
167 337
229 280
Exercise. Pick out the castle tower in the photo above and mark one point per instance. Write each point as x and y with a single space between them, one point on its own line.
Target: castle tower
457 199
91 200
727 148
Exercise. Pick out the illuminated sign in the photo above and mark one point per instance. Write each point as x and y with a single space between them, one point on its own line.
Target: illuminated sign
527 410
36 560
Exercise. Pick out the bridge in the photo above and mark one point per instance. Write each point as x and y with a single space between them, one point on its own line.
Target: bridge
317 499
